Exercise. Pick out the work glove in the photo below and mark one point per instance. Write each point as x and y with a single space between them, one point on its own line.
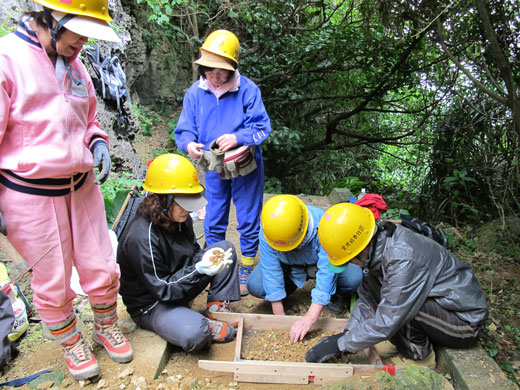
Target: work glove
101 161
213 159
324 350
214 261
3 227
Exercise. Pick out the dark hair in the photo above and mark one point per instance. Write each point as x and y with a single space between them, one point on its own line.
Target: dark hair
40 19
203 69
152 209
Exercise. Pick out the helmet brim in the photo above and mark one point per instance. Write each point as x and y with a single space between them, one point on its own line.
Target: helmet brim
88 27
212 60
190 202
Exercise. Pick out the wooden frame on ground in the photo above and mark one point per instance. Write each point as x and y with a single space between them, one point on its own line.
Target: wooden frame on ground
261 371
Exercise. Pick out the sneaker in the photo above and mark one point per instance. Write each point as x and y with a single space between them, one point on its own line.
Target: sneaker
245 271
336 305
115 343
428 361
81 362
220 307
221 332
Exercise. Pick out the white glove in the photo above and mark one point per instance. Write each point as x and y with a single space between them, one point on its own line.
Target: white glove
214 261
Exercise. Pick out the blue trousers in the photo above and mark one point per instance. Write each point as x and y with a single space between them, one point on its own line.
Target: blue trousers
247 193
347 284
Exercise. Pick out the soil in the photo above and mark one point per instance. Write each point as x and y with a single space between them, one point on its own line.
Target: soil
274 345
182 371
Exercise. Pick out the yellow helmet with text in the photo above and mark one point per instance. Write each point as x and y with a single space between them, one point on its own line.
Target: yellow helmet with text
97 9
345 230
172 174
284 221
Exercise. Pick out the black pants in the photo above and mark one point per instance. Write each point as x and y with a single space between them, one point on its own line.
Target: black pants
435 324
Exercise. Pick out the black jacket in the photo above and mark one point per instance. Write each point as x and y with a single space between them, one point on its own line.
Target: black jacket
158 264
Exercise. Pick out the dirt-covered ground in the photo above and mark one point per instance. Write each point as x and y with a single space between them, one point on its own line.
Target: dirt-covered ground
485 249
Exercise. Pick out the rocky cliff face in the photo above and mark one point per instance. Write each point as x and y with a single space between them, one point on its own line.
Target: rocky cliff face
151 64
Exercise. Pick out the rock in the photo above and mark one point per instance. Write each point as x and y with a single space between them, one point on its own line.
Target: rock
45 385
140 381
126 372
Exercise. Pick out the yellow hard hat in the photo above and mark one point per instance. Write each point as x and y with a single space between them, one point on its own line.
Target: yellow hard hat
222 43
284 221
172 174
345 230
97 9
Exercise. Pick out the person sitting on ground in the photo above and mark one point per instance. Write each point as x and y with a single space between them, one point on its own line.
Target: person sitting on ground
290 254
414 293
163 267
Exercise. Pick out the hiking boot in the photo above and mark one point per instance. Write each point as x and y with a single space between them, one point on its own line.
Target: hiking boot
221 332
428 361
220 307
117 346
81 362
336 304
245 271
107 333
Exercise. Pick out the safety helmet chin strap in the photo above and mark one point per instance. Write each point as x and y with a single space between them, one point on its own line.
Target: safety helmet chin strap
169 201
59 24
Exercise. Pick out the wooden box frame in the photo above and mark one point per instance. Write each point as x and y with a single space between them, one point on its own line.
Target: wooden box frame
287 372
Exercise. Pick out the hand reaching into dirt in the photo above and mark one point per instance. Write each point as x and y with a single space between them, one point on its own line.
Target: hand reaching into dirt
301 327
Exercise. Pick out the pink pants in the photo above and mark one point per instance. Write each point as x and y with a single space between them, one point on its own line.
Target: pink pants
75 226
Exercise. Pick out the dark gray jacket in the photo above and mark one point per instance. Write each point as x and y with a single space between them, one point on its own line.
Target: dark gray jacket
404 269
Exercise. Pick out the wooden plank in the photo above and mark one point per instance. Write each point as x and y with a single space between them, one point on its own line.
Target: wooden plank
268 321
259 378
278 368
239 336
286 372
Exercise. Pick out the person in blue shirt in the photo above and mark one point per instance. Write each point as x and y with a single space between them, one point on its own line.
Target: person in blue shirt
291 253
225 109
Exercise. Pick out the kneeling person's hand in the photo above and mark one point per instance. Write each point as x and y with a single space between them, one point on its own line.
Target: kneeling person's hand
214 261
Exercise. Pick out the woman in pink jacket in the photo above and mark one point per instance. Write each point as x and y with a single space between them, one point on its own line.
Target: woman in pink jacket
50 143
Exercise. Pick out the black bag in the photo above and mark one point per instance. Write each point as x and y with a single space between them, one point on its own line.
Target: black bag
128 214
424 228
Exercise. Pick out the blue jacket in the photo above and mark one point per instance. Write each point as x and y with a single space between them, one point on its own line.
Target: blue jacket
205 117
309 252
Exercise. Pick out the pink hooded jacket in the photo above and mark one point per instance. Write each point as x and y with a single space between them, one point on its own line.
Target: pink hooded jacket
46 127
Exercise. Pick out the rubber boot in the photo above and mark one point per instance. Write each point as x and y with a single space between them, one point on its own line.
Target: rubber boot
108 334
81 362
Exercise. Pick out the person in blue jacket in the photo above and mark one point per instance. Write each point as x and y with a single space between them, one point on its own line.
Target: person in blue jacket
291 253
225 109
